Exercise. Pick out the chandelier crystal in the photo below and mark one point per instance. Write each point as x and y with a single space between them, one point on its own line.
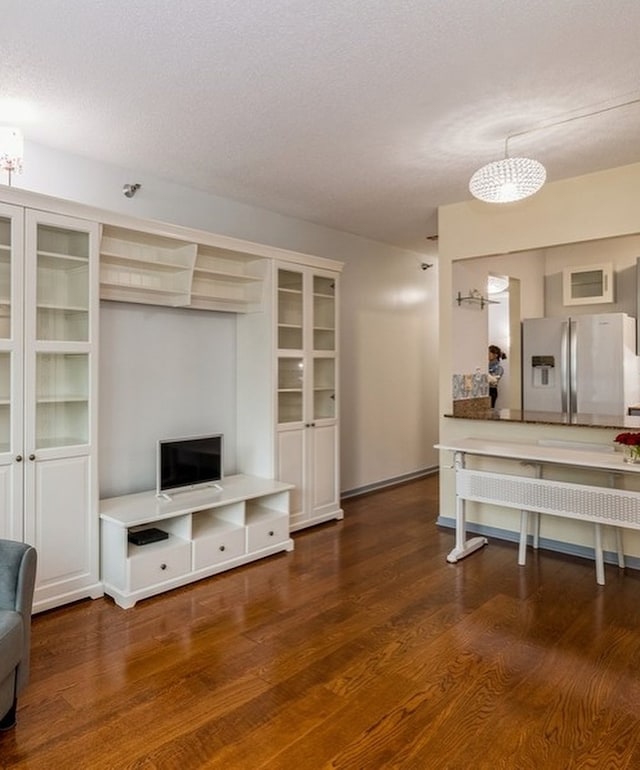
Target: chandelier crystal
507 180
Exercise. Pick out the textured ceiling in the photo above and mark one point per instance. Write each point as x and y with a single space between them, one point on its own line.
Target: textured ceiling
361 115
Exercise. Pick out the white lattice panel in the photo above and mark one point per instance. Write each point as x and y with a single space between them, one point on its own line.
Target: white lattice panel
578 501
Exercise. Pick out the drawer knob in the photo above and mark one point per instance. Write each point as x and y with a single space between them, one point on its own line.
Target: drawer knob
222 548
163 566
271 533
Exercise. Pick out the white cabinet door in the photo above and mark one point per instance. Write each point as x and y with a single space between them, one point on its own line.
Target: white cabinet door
292 465
324 458
62 528
60 400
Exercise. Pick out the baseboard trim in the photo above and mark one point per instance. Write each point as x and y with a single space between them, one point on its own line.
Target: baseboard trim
559 546
392 482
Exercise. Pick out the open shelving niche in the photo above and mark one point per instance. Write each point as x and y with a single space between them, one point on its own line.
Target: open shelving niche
209 532
149 268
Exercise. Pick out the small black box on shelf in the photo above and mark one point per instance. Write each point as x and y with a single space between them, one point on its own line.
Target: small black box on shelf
146 536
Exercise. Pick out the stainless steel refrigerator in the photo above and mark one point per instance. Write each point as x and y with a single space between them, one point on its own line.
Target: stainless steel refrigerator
582 364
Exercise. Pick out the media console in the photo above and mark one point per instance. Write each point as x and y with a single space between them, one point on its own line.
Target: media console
209 531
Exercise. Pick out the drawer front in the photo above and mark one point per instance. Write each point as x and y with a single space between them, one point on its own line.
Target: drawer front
158 565
217 548
265 533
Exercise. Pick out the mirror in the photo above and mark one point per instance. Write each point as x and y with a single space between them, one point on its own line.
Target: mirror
534 290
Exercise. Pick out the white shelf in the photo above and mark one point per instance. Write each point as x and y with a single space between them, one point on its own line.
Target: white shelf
53 259
146 268
61 308
225 276
141 262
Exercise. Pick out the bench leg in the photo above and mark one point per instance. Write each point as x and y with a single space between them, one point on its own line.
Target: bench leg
620 547
599 555
524 528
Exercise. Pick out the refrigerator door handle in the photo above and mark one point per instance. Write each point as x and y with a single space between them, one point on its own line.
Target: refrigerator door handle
564 370
573 368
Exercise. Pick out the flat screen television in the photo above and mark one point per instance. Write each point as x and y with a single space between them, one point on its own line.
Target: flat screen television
191 462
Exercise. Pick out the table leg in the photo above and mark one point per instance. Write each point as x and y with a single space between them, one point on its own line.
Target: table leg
463 547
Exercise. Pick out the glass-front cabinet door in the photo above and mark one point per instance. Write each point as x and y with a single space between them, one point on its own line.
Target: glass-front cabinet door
290 310
62 281
290 389
324 388
291 329
324 313
61 257
11 376
324 347
306 332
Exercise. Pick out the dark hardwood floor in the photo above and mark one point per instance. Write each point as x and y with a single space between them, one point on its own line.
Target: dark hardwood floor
360 649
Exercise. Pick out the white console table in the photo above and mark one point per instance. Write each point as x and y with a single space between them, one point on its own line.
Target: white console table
210 531
597 504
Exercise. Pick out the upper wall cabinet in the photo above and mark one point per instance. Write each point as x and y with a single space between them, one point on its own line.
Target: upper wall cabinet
587 285
143 267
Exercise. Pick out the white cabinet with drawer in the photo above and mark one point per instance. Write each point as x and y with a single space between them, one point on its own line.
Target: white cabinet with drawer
206 531
156 563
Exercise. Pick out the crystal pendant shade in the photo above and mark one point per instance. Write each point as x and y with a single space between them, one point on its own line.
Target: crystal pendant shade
11 149
507 180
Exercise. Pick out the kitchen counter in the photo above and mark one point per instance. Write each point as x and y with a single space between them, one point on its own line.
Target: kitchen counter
622 422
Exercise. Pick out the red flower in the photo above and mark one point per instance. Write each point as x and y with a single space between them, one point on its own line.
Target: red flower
630 439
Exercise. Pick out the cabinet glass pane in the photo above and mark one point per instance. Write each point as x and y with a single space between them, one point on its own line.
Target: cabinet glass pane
5 278
324 392
62 284
324 313
289 310
5 402
62 399
290 383
588 283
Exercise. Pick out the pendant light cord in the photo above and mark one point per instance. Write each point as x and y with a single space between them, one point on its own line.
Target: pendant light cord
566 120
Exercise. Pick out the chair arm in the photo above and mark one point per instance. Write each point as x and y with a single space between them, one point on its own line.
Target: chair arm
17 581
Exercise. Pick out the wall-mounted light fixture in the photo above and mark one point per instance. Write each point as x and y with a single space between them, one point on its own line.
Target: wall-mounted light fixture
11 150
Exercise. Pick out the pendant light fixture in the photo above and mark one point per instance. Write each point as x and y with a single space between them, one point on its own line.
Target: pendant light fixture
11 150
513 179
507 180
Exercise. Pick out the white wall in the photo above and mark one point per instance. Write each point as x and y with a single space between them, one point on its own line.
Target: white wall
390 364
164 372
388 312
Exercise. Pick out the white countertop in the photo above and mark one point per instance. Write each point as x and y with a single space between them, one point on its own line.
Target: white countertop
577 454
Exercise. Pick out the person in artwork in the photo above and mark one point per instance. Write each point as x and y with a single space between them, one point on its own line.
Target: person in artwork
495 372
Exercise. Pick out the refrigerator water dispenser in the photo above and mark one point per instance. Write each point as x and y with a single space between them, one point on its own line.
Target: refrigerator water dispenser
543 369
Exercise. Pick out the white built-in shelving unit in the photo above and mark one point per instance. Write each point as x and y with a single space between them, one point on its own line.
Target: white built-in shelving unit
58 259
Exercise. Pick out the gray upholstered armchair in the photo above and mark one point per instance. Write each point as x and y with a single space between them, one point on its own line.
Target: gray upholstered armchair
17 580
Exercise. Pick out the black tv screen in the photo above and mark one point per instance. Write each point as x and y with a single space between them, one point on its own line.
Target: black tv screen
189 462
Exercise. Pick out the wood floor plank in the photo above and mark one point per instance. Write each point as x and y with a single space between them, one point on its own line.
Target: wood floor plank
362 649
